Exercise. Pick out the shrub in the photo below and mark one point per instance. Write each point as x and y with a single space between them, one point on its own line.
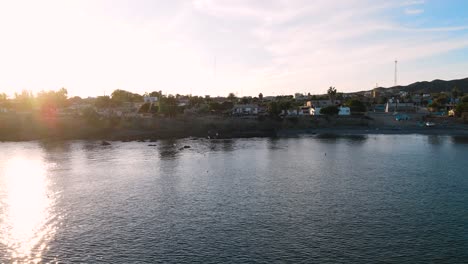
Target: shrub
330 110
461 108
356 106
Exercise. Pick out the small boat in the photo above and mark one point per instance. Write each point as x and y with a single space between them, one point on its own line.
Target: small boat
430 124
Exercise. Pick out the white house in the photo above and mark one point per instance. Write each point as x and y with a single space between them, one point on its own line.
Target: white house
344 111
247 109
149 99
315 111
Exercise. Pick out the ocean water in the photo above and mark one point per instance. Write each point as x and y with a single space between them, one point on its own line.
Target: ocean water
357 199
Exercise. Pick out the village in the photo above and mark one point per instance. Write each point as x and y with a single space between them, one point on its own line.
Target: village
124 115
333 103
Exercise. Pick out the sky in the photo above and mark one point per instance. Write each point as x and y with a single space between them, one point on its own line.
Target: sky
214 47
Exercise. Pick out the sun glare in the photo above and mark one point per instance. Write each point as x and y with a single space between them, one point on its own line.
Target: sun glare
26 204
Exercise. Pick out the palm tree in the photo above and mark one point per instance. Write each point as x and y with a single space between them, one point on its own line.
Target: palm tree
332 94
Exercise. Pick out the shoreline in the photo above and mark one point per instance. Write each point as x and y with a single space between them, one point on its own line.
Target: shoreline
289 133
376 131
18 129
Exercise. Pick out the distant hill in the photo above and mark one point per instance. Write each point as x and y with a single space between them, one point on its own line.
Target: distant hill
435 86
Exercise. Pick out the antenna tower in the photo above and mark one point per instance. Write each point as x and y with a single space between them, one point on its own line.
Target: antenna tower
396 72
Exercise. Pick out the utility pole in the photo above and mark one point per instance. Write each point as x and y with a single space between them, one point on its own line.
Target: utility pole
396 73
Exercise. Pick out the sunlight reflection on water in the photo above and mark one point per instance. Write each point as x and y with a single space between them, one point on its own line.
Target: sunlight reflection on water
27 221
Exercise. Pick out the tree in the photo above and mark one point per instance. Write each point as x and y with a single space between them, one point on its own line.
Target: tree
285 104
356 106
156 94
75 100
434 106
330 110
274 109
382 100
121 96
246 100
464 99
103 102
195 101
168 106
51 100
4 102
231 97
144 108
332 94
227 106
24 101
340 96
260 96
215 106
442 99
461 108
456 92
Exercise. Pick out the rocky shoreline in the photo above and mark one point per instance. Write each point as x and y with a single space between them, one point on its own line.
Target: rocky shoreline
21 129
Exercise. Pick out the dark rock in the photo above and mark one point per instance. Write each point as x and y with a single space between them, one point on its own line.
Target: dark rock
105 143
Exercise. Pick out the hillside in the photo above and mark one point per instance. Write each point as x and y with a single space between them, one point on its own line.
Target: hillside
435 86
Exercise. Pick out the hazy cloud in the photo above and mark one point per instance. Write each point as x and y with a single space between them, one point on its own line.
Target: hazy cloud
409 11
269 46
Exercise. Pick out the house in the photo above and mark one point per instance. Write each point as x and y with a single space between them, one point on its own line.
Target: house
344 111
290 112
315 111
183 102
300 97
304 111
3 108
150 99
396 106
245 109
322 103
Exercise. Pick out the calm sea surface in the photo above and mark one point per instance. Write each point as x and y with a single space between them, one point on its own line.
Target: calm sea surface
372 199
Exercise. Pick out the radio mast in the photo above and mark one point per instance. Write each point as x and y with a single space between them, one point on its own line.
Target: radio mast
396 73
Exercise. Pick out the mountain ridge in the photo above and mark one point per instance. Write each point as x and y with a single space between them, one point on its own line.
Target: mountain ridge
434 86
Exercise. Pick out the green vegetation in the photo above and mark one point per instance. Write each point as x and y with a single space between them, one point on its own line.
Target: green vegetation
168 106
330 110
356 106
464 99
120 97
275 108
456 92
232 97
461 108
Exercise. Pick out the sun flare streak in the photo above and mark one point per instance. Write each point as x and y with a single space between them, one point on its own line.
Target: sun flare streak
26 222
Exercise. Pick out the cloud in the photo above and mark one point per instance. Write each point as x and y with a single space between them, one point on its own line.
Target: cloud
274 46
414 2
410 11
